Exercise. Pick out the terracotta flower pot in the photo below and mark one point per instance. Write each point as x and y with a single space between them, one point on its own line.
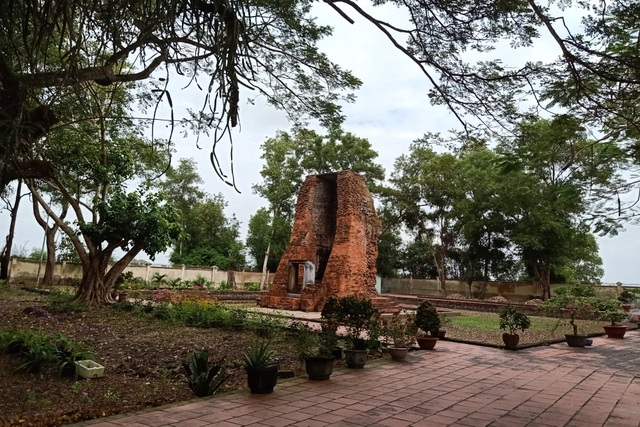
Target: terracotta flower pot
615 331
398 353
510 341
427 343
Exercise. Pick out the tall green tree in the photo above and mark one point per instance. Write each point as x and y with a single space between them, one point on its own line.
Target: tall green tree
267 234
212 237
96 157
427 186
182 185
553 170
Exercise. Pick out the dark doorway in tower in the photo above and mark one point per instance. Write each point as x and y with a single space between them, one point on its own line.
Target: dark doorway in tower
325 211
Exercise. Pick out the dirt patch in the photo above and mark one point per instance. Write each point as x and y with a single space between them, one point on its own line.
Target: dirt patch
142 359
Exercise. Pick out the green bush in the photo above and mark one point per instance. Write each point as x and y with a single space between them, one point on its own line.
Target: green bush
35 349
512 320
427 318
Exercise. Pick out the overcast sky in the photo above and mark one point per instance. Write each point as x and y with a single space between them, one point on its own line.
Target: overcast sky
391 110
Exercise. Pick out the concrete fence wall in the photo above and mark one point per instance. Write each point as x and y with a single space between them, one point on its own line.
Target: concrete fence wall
31 271
513 291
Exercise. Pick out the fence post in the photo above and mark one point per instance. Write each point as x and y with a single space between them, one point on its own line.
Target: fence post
147 273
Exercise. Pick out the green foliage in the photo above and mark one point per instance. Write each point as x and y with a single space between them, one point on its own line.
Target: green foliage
266 231
62 302
626 296
260 355
427 318
35 349
211 238
68 352
359 316
204 379
252 287
578 301
266 326
512 320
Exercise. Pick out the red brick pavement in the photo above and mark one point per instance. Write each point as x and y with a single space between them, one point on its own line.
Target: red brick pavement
454 385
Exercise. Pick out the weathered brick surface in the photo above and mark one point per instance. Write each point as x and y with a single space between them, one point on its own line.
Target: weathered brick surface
336 212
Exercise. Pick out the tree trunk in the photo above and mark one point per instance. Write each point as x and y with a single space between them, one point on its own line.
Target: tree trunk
93 290
542 275
231 279
438 258
5 257
96 284
264 267
51 232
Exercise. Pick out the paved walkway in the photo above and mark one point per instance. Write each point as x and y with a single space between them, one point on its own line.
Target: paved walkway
456 384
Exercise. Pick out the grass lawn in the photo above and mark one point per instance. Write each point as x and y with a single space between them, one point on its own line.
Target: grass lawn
485 327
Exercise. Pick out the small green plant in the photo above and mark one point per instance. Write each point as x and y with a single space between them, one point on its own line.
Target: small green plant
427 318
224 286
253 287
610 311
577 301
513 320
204 379
68 352
626 296
260 356
266 326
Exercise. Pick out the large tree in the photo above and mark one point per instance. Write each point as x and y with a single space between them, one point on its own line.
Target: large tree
269 48
212 239
555 172
97 157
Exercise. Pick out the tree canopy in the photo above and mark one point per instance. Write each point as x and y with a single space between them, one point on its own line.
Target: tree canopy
234 49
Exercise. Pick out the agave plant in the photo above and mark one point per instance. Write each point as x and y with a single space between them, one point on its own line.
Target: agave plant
204 380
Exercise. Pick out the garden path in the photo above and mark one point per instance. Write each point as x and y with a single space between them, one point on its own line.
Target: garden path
454 385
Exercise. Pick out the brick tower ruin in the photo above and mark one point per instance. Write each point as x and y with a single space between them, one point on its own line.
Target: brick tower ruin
333 246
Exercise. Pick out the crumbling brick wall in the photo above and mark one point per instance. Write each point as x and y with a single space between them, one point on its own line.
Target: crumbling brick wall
336 227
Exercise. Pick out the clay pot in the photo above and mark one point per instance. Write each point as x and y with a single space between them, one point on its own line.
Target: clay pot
398 353
510 341
615 331
427 343
355 358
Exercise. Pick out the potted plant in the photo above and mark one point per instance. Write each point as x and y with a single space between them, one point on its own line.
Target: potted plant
513 320
357 315
261 367
316 349
399 332
204 379
610 311
577 301
625 298
427 320
330 314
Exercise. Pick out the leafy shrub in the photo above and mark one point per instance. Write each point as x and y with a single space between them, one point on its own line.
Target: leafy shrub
266 326
253 287
358 315
512 320
68 352
35 349
224 286
427 318
203 379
